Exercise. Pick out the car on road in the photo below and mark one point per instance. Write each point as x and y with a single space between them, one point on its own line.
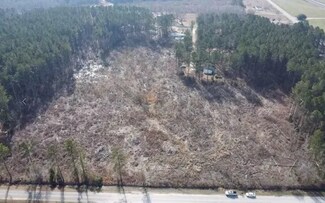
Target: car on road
251 195
231 193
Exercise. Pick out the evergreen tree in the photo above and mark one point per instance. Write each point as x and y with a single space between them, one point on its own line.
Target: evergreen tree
4 153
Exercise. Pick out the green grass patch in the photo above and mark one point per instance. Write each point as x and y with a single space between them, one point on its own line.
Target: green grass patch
295 7
319 23
322 1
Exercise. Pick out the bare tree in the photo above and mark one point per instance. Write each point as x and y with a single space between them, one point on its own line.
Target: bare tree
119 160
28 149
71 148
83 168
52 153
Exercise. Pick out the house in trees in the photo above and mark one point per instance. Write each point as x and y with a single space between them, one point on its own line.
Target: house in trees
183 66
3 133
209 70
177 36
209 73
105 3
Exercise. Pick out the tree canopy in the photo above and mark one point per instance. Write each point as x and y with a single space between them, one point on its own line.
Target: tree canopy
31 4
270 56
37 47
301 17
165 22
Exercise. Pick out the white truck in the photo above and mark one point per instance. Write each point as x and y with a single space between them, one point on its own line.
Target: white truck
251 195
231 193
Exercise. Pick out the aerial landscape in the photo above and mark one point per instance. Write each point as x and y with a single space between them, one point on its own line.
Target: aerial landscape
219 95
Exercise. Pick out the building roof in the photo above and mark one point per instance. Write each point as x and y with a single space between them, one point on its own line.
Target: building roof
177 34
209 71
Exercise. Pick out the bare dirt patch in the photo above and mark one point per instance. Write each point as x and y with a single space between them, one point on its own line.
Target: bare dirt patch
174 132
265 9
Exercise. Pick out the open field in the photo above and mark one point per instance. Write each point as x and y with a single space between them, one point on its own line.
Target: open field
317 22
172 130
317 3
296 7
190 6
265 9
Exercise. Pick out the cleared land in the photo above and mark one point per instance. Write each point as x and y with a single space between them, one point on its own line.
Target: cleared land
265 9
296 7
172 130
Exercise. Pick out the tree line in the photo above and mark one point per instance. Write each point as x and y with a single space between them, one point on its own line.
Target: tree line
80 172
32 4
268 56
37 47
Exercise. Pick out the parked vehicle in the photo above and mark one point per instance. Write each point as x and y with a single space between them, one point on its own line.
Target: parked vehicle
251 194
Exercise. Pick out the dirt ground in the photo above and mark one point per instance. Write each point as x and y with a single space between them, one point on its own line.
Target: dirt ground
184 22
264 9
172 130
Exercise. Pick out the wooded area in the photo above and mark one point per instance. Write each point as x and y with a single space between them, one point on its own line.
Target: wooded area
269 57
31 4
37 47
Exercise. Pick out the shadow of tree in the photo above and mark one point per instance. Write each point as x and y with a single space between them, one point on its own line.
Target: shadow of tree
62 198
316 196
7 193
298 194
146 196
189 82
121 190
216 92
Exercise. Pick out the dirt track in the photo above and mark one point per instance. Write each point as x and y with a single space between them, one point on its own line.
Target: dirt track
293 19
265 9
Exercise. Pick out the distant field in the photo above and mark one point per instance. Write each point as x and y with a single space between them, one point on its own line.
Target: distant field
295 7
191 6
319 23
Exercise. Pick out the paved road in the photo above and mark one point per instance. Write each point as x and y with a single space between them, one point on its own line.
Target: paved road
293 19
142 197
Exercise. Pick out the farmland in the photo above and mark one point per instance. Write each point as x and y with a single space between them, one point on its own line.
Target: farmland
265 9
317 22
190 6
295 7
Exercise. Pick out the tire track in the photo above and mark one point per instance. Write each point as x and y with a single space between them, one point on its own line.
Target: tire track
285 13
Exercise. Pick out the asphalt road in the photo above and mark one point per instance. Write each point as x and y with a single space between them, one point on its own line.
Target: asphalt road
142 197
